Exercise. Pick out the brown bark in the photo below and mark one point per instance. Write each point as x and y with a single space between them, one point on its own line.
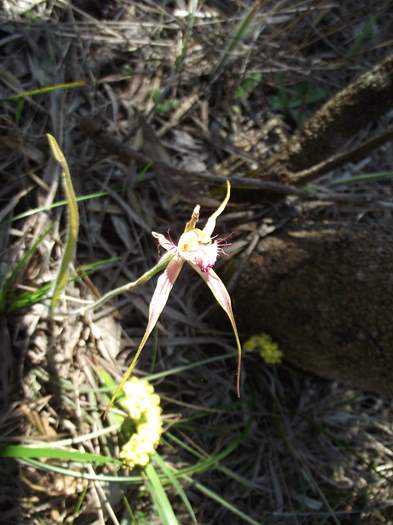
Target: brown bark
324 293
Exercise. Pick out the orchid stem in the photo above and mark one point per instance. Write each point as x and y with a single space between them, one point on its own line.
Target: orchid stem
161 265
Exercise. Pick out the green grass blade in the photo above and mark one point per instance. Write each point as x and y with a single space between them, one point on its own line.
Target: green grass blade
221 501
184 368
46 89
80 501
187 35
6 287
57 204
23 452
26 299
19 110
110 384
365 177
133 518
47 467
82 438
201 466
208 462
168 472
159 497
235 40
72 223
95 266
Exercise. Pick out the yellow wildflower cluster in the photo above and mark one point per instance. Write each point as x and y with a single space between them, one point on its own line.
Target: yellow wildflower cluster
268 349
143 407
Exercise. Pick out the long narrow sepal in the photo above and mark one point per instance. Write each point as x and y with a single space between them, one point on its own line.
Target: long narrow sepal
221 295
211 221
163 241
160 297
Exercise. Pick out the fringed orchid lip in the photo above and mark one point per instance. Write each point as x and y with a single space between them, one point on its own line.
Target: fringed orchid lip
197 248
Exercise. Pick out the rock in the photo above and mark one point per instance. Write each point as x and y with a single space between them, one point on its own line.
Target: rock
324 293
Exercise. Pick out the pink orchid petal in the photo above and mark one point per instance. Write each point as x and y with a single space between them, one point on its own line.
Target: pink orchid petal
211 222
163 241
160 297
221 295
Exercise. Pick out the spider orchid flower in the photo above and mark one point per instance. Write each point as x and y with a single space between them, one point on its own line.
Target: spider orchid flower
197 248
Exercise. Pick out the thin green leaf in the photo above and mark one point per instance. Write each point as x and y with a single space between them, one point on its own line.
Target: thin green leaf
47 467
23 451
46 89
110 384
80 500
221 501
72 223
248 84
28 298
142 175
211 460
191 366
160 499
193 8
19 110
133 517
6 288
235 40
201 466
365 177
105 378
89 268
174 482
57 204
82 438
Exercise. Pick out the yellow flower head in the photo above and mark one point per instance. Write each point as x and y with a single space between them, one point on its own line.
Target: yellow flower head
143 407
268 349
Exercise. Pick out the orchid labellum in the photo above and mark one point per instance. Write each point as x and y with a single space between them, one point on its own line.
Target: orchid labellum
197 248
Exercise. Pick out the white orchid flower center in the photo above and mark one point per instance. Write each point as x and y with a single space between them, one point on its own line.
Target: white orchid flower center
197 247
194 240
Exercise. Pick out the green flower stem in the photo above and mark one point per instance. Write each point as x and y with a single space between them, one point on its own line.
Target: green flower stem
159 267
